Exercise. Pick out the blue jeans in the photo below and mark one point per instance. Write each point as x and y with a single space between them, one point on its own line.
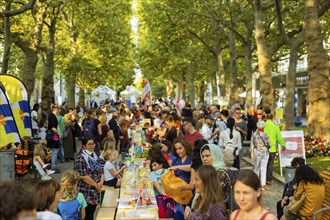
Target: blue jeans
61 150
54 157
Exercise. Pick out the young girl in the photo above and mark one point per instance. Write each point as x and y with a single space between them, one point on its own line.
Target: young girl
156 174
72 204
38 161
106 145
111 173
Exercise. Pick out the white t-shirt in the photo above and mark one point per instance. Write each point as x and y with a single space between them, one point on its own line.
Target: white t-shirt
107 174
34 123
46 215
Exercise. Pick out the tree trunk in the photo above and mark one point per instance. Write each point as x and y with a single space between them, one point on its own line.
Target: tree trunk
191 88
264 61
82 96
201 92
7 42
169 87
70 80
30 65
318 72
221 74
248 69
290 88
213 81
48 93
233 97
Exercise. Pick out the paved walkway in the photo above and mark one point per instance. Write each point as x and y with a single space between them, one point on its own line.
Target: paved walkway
271 195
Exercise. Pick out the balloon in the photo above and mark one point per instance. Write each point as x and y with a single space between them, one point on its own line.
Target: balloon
181 104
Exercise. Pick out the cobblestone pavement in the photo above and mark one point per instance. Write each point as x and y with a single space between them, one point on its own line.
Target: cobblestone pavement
272 194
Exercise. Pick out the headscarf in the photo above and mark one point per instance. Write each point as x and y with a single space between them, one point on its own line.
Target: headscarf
91 160
217 156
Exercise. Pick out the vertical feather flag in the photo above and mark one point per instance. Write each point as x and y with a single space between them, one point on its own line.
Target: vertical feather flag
8 129
19 103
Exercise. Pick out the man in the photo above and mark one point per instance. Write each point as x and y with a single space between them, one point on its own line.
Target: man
206 130
93 104
191 133
64 109
147 114
275 137
200 121
214 112
114 126
224 114
241 127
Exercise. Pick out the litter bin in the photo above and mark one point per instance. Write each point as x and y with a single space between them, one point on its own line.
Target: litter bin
7 165
289 173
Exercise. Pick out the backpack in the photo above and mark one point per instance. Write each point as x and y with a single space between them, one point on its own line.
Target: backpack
230 145
88 129
226 186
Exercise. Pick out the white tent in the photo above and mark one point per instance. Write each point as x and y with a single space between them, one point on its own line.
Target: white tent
102 93
133 92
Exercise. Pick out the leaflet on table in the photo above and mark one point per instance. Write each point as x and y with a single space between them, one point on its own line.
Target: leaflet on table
143 213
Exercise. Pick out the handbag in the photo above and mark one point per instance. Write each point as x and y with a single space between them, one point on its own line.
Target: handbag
165 206
171 184
295 205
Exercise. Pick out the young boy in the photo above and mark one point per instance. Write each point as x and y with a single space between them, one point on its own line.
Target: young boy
156 174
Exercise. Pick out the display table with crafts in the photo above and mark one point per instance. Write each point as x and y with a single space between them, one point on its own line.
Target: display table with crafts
137 199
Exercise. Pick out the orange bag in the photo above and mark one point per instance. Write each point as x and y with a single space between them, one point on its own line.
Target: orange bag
171 185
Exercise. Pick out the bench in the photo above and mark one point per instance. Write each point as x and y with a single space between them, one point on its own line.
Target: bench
110 198
324 212
106 213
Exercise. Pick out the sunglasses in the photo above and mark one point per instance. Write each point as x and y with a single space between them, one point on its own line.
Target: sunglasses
259 114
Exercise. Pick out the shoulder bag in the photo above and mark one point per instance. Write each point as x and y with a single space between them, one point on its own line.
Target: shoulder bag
295 205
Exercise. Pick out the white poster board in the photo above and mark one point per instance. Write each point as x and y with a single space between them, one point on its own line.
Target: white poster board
295 147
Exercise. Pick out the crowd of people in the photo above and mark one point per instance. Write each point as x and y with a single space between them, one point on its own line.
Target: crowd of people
202 147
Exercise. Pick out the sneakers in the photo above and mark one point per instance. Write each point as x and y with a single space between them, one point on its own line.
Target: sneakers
49 172
45 166
46 178
269 182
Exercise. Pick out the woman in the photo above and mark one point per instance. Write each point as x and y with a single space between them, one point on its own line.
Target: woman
182 151
231 139
211 154
209 205
168 149
310 183
104 129
47 194
53 144
248 195
91 176
69 141
171 131
156 152
259 152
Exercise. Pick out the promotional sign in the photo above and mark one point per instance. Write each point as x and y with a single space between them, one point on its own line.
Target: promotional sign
295 147
279 113
146 93
18 99
8 129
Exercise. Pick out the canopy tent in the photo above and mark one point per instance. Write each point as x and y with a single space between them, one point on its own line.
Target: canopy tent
132 92
103 92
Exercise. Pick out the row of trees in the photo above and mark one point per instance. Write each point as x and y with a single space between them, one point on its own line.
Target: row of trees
86 42
190 43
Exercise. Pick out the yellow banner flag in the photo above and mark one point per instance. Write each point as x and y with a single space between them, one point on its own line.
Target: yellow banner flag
18 99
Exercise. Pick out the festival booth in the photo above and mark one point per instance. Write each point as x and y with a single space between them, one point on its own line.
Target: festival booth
131 93
102 93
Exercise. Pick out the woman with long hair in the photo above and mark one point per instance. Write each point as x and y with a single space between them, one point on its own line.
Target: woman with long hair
231 139
308 181
91 176
248 195
47 194
212 155
181 166
209 204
